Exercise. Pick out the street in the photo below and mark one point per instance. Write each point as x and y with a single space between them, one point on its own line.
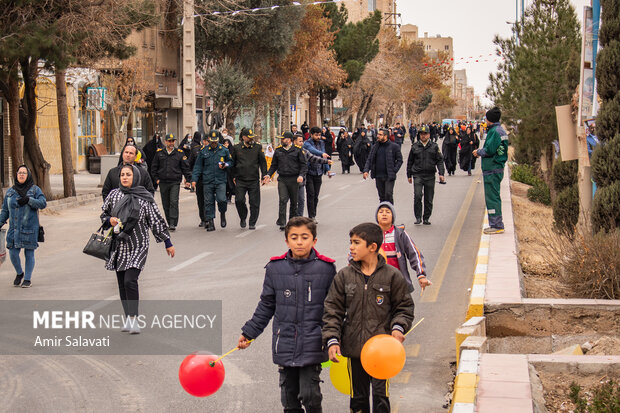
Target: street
228 265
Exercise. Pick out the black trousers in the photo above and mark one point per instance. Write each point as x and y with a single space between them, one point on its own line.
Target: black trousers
128 289
288 189
313 188
253 191
385 188
301 386
200 198
170 201
423 185
361 383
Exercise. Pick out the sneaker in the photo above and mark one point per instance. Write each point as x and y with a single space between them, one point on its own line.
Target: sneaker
252 226
133 325
125 328
315 221
18 280
426 222
418 221
172 228
26 284
243 224
491 230
202 224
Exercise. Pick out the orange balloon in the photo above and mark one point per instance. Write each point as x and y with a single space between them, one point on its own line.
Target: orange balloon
383 357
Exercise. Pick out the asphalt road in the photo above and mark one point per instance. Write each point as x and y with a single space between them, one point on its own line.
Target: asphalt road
229 267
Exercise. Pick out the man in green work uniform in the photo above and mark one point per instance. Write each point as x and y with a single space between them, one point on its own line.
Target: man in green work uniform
494 154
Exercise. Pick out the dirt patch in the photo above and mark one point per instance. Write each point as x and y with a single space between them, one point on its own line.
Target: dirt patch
556 388
604 346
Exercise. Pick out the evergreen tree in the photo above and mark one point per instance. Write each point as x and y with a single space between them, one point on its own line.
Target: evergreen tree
606 158
539 72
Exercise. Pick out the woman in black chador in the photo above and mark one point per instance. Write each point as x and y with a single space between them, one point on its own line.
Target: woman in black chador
361 149
449 149
345 150
468 140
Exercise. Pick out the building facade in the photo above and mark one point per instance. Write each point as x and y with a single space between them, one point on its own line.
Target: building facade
360 9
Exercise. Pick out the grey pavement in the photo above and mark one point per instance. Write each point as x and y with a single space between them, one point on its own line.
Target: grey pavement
233 272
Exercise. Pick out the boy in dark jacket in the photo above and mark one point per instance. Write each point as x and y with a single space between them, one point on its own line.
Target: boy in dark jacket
294 291
375 299
400 248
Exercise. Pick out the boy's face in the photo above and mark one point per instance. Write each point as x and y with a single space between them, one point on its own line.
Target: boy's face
384 217
300 241
360 250
299 141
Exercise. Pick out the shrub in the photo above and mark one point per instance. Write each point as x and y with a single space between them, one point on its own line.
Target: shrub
606 162
524 174
605 398
608 80
606 208
566 209
539 193
564 175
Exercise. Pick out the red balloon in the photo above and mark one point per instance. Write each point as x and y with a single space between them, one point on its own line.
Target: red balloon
383 357
198 377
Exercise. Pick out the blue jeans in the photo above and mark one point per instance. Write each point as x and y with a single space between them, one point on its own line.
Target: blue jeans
14 255
214 192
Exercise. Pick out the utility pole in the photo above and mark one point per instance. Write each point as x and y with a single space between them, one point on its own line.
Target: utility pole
189 69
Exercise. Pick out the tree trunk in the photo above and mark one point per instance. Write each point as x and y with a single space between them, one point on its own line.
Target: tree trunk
321 107
16 144
312 96
65 134
32 151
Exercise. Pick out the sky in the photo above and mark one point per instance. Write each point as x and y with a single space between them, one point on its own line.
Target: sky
472 24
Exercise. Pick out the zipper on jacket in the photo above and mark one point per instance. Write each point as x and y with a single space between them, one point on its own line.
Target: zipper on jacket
309 291
277 340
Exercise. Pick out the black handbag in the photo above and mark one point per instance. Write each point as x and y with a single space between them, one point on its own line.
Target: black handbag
99 246
41 237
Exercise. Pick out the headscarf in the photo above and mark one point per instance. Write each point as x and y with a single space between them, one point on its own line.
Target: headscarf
197 139
22 189
127 210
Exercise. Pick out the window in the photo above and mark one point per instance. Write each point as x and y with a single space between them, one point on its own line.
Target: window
446 47
372 5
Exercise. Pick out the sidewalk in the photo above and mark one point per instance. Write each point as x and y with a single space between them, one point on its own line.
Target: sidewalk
87 190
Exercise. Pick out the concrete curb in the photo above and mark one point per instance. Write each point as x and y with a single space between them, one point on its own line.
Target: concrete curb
478 289
466 382
71 202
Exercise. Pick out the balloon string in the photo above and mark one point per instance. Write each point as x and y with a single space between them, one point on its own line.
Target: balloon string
224 355
417 324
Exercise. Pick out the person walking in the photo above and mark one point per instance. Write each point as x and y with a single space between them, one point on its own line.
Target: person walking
250 167
345 151
384 161
149 149
312 159
314 178
361 148
20 207
169 167
449 148
131 212
198 143
399 134
129 157
494 154
291 164
468 140
424 158
211 165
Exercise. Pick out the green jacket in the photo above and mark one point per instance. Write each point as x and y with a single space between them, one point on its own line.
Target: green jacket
494 153
207 165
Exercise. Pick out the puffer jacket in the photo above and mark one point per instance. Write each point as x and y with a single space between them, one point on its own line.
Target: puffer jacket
23 229
356 310
293 294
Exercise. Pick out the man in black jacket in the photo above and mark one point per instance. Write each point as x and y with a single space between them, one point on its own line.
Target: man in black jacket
250 167
169 167
383 163
291 164
424 159
198 142
113 180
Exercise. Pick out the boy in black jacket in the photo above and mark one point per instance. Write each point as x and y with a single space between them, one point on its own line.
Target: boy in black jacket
294 291
375 299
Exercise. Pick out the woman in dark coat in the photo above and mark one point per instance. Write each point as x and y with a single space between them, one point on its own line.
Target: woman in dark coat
185 145
361 149
149 154
130 211
449 149
345 151
21 208
328 139
467 139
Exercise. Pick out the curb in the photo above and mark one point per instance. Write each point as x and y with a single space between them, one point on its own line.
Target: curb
466 382
71 202
476 299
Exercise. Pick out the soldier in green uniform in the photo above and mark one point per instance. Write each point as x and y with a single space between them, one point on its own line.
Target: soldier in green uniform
494 154
169 167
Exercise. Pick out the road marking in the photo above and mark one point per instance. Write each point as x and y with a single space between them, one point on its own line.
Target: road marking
402 378
190 261
412 350
248 232
439 272
343 187
324 196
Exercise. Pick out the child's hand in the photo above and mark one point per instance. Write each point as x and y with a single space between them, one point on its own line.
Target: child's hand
334 352
398 335
243 342
424 282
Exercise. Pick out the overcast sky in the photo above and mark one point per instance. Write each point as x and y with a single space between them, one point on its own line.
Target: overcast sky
472 24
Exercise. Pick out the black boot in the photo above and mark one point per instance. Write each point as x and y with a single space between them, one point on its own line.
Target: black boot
210 225
223 219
